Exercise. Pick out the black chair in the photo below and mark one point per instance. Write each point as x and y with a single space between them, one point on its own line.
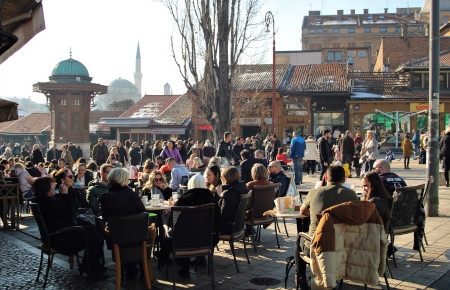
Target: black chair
184 180
189 222
405 214
237 228
129 238
46 246
423 199
262 202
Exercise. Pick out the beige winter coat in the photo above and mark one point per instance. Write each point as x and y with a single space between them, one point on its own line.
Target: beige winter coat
349 243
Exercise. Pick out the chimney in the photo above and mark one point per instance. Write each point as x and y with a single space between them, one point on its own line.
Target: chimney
366 11
385 10
352 11
340 12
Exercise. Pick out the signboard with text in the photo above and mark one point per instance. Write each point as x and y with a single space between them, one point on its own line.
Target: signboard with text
416 107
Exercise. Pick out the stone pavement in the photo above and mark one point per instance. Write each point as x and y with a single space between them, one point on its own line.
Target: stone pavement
19 257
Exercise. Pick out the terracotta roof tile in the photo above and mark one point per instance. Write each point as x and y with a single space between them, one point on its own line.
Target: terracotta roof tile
35 123
95 116
317 78
258 77
424 62
150 106
179 113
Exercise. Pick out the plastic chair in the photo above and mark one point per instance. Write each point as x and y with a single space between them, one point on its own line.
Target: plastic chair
46 246
263 197
189 222
405 214
129 238
237 228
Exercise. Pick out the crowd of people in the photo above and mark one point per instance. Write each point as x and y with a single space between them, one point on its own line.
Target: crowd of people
219 175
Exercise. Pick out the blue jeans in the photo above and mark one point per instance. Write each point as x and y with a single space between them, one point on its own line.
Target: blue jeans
298 169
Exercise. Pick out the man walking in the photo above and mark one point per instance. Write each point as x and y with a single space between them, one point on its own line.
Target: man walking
100 152
224 149
326 155
297 149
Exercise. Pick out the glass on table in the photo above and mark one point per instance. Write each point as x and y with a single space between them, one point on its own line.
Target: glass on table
144 199
155 199
174 196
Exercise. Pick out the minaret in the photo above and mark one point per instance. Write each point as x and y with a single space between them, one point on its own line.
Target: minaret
167 89
138 74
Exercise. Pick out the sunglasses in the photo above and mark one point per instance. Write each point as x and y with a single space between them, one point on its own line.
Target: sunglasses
158 179
69 176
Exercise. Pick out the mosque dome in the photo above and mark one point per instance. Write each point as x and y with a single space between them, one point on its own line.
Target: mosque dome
118 90
70 70
121 84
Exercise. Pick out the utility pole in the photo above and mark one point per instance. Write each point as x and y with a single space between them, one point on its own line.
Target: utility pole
432 203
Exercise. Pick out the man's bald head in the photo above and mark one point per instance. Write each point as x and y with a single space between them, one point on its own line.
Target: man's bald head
382 166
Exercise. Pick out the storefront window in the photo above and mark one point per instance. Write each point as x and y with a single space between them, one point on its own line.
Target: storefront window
330 121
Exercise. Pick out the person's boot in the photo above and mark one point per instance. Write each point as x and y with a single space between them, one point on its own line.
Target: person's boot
447 184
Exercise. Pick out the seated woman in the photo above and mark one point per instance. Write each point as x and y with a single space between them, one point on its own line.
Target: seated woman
120 200
58 212
281 156
195 152
374 191
157 184
197 194
231 197
259 175
213 181
65 177
198 165
25 180
148 168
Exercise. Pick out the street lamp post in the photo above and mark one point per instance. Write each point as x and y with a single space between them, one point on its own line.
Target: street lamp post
271 20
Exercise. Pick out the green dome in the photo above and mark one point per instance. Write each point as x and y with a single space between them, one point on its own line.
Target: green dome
70 70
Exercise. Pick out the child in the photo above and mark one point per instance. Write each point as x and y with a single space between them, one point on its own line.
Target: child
423 156
356 163
389 156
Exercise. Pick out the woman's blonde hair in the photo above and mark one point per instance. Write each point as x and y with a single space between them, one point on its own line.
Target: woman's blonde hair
195 151
149 184
447 130
208 143
197 162
259 172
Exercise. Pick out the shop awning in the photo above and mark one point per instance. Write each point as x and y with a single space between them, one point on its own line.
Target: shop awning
20 21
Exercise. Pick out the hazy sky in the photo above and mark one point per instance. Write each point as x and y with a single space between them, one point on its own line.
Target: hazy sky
103 35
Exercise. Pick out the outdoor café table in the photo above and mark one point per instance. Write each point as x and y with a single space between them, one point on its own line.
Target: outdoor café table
302 220
160 210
